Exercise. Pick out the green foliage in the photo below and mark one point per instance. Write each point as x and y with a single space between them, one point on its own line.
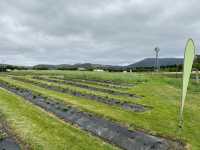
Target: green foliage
2 134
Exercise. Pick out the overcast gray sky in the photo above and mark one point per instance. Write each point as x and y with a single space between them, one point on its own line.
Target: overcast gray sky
114 32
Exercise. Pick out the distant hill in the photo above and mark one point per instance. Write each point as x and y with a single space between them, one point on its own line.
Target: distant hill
44 67
145 64
150 62
87 66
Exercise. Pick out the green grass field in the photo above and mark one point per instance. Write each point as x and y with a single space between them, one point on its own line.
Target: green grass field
42 130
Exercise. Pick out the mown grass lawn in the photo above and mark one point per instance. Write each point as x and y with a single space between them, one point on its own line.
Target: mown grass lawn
160 92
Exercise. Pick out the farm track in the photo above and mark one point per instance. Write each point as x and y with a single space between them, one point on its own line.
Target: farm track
7 141
105 100
68 82
95 82
105 129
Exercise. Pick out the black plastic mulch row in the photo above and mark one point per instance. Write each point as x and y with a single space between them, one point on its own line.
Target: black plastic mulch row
105 100
95 82
109 91
103 128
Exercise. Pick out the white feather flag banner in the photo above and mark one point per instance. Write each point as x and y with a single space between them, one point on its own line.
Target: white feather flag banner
188 62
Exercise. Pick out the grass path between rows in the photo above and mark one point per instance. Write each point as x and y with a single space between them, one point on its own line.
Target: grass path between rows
43 131
86 91
97 84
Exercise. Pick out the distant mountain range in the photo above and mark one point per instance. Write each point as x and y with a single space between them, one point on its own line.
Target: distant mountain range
145 63
75 66
150 62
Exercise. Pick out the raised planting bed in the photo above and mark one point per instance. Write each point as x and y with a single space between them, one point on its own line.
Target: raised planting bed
93 88
105 100
103 128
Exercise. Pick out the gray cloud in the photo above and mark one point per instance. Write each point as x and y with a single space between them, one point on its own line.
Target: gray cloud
106 31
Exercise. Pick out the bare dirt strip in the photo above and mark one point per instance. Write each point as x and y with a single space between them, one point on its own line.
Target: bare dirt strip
103 128
69 82
102 99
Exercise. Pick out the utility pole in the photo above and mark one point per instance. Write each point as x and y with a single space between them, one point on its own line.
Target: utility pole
157 61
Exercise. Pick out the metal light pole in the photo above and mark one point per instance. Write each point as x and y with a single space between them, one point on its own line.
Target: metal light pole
157 61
